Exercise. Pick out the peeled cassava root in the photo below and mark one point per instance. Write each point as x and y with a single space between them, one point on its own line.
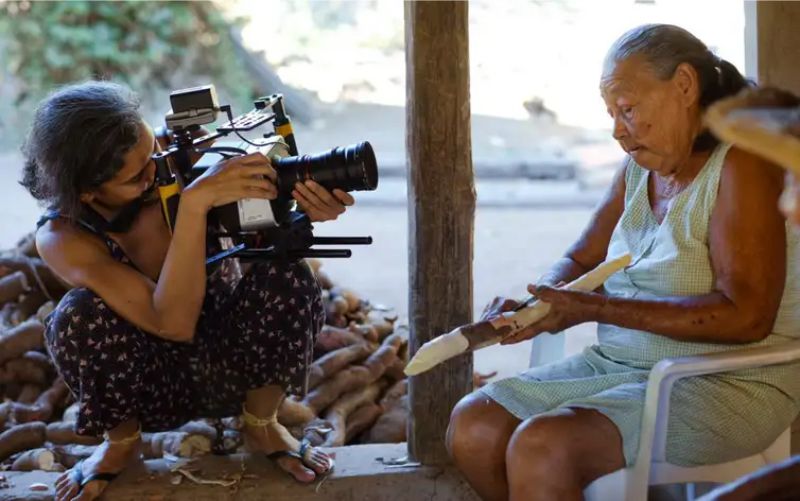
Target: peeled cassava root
489 332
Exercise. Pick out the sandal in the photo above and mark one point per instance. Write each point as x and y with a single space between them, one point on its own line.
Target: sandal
303 452
76 472
76 475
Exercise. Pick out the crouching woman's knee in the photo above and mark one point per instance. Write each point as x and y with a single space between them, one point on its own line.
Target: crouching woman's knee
79 311
82 325
282 275
282 286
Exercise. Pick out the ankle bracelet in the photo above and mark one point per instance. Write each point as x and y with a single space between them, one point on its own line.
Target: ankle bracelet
253 420
124 441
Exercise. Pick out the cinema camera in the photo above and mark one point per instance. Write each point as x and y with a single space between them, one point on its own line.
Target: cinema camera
259 229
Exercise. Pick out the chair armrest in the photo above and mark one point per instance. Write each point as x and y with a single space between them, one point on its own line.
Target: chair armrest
726 361
652 442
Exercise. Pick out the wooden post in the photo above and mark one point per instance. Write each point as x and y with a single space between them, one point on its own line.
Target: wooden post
441 210
772 43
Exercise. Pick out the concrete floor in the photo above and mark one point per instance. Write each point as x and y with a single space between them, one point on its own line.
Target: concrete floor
361 474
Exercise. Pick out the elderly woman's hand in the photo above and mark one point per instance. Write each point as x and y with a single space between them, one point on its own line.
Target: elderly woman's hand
498 305
319 203
567 309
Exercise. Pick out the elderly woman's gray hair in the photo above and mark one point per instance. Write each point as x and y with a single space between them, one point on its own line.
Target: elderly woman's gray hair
664 47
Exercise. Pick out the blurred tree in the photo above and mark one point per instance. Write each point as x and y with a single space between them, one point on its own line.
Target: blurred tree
147 45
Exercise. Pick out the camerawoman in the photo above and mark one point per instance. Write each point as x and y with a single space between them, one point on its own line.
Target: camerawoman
147 339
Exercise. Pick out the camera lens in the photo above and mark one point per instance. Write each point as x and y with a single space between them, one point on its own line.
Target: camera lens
348 168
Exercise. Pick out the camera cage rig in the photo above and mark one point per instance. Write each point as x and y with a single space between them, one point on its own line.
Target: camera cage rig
292 237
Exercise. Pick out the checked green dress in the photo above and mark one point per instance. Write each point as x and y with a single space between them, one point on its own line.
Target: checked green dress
713 418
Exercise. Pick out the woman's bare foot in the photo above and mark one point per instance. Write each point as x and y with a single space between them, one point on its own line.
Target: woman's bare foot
275 437
108 457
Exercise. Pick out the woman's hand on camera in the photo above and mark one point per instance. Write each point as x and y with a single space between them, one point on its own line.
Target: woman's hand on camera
319 203
247 176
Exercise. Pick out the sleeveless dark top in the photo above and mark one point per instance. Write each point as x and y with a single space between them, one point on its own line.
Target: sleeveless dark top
94 223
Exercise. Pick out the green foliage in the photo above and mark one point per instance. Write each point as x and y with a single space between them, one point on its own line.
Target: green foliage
151 46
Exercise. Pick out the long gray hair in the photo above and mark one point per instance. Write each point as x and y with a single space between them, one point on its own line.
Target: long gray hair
665 46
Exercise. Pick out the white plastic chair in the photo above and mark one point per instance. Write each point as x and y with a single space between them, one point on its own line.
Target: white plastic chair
651 467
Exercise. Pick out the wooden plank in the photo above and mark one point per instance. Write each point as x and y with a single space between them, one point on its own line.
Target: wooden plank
441 195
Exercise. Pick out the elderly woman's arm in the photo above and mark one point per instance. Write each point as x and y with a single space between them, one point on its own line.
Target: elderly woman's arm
591 247
747 242
587 252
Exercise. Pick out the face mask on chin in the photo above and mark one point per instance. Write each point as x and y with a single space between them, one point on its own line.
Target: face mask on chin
124 219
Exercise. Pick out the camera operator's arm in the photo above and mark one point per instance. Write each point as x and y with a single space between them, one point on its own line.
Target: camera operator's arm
319 203
164 308
169 308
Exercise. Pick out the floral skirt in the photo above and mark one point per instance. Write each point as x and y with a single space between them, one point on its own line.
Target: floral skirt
260 331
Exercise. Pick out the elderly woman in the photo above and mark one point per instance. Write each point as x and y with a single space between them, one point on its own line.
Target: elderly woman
709 273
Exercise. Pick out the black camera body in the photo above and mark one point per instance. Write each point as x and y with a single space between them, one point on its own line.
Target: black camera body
283 231
350 168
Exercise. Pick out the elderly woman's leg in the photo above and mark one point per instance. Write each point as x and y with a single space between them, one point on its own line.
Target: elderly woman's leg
477 438
558 454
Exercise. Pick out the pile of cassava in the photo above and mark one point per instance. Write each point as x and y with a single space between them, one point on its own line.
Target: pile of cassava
357 389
